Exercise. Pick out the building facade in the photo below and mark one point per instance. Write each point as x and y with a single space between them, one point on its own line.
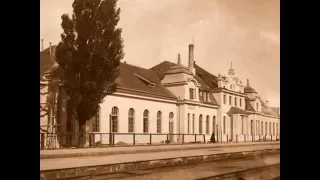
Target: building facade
173 102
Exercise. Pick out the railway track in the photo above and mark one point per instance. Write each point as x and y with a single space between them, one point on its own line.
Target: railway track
243 174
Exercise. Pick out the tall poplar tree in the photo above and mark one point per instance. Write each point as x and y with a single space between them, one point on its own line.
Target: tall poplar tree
89 53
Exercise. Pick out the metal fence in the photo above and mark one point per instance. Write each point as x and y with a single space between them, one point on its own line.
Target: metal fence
96 139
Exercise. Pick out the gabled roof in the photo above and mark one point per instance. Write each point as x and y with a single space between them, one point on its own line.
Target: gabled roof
207 80
236 110
140 81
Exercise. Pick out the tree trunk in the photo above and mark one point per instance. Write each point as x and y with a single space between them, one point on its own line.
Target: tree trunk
82 134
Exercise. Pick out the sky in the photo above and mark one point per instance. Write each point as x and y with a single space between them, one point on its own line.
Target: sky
244 32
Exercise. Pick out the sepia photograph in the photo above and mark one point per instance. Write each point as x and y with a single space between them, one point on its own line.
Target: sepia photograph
160 89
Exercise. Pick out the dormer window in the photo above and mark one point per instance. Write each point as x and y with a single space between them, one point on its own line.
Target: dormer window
149 83
192 93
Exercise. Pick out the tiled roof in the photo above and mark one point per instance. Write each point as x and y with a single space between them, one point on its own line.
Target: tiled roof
46 62
235 110
248 106
142 80
249 89
271 111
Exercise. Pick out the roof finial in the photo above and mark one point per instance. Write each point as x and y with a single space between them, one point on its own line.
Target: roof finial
179 60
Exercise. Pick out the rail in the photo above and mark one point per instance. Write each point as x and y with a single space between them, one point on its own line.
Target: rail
99 139
239 173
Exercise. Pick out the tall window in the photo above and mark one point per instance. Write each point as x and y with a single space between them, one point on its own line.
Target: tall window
204 96
96 122
213 124
261 128
252 127
188 123
192 93
193 117
146 121
131 120
230 100
224 99
274 128
277 129
200 124
207 125
269 128
114 119
240 102
242 124
266 128
159 117
235 101
224 125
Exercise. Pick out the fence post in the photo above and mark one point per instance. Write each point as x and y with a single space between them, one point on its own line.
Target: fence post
271 137
195 138
259 138
167 138
236 138
134 139
252 137
42 140
204 138
150 139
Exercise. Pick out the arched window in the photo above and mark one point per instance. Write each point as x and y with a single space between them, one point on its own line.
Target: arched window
274 128
242 125
252 128
114 119
266 128
131 120
188 123
171 124
193 119
269 128
261 127
145 121
200 124
207 124
224 125
96 122
159 117
213 124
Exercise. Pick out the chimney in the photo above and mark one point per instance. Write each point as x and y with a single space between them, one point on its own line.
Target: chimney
191 59
50 49
41 44
179 60
248 82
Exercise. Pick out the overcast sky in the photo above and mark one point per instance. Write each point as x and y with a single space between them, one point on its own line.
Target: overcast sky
246 32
